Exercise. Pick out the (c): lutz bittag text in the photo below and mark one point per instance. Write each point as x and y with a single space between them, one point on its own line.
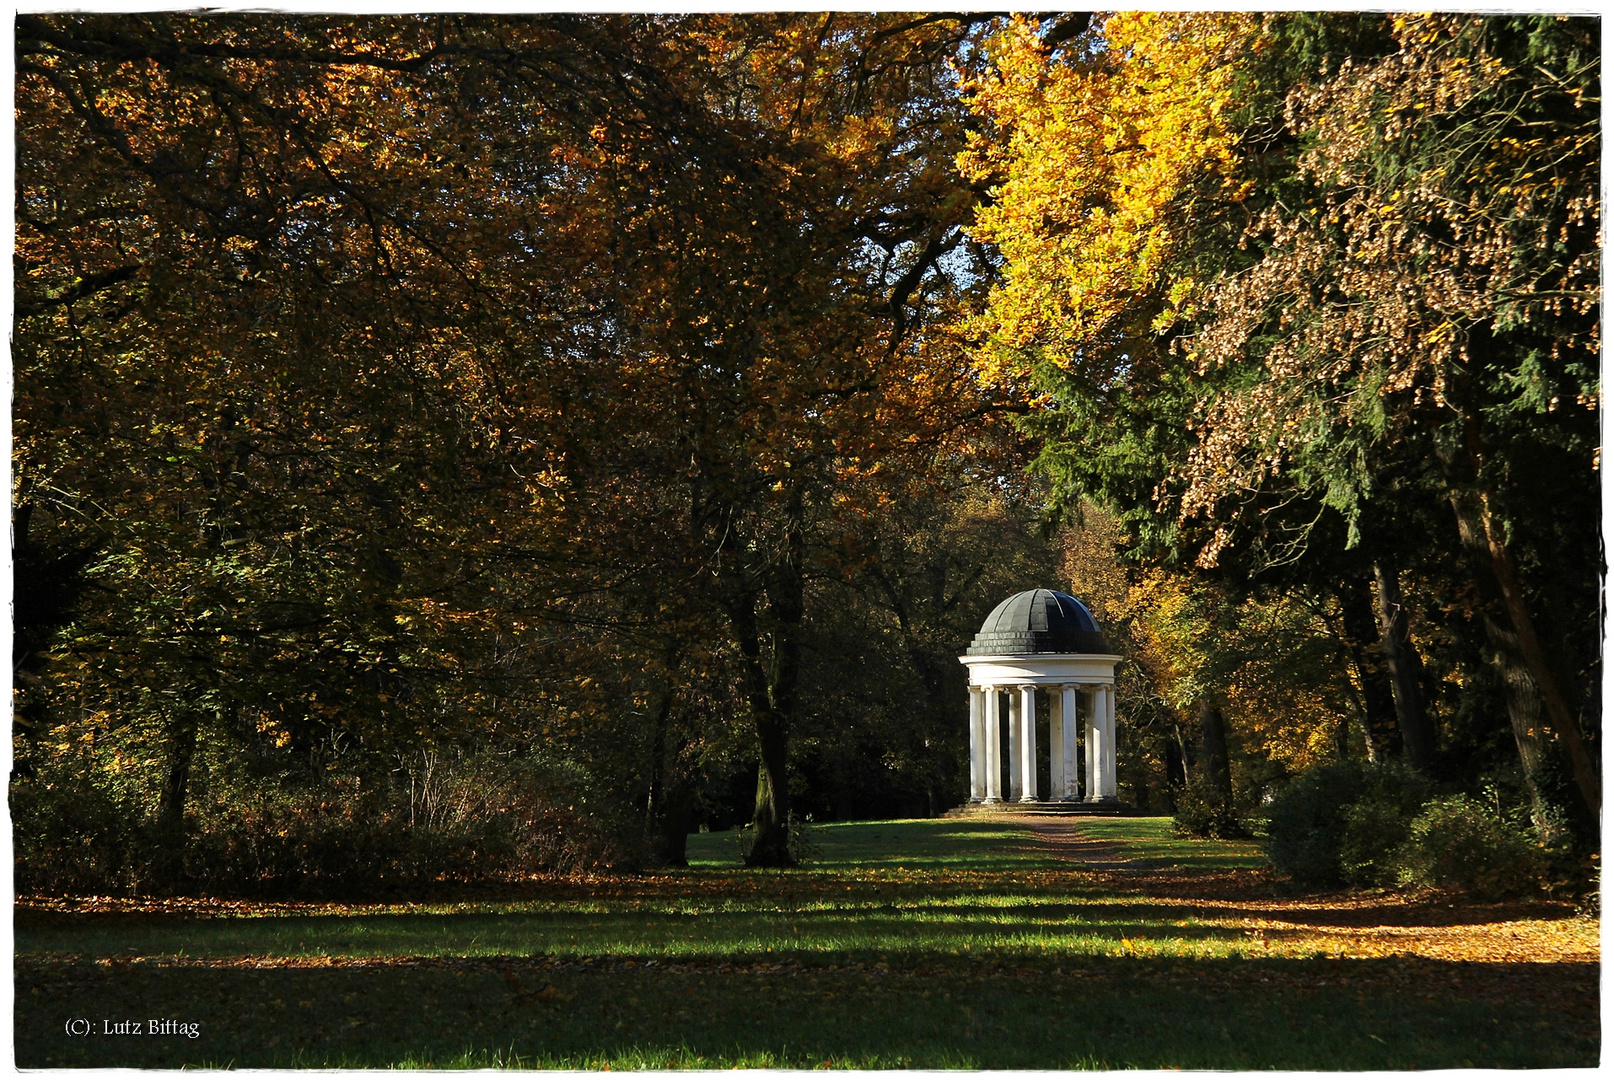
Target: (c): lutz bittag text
81 1025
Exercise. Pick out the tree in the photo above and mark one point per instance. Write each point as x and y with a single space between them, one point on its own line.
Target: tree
531 371
227 387
882 717
1439 287
786 346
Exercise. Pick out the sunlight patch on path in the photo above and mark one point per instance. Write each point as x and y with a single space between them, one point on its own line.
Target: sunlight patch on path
1065 841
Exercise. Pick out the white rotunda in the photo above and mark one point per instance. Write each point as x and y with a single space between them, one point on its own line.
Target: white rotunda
1048 643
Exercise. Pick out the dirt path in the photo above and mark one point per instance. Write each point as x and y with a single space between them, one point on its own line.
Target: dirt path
1066 841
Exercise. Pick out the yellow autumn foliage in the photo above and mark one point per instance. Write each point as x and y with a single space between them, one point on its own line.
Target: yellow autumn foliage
1097 167
1269 663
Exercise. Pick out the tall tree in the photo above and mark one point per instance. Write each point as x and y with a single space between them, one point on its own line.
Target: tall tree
1438 286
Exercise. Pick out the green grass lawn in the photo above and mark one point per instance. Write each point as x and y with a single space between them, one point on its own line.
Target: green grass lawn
1149 840
860 846
923 944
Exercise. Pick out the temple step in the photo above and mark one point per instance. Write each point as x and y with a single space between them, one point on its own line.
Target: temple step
1047 808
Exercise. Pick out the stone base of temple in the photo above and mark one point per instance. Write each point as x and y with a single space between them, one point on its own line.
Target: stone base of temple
1048 807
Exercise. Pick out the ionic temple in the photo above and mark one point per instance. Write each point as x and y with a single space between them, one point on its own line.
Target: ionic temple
1041 645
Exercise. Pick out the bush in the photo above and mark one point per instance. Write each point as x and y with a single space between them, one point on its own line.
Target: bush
1340 823
803 838
1377 822
72 836
474 818
479 817
1462 843
802 842
1206 813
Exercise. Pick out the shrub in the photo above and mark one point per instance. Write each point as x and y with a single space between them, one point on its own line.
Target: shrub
72 836
802 842
1377 822
1305 821
1206 813
803 838
478 817
1341 822
473 818
1462 843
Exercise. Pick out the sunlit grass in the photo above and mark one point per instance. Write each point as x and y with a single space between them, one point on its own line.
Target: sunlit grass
1002 923
869 847
1150 840
911 903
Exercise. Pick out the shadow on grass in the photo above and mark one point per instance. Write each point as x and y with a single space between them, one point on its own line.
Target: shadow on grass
935 844
816 924
862 929
1004 1012
1263 894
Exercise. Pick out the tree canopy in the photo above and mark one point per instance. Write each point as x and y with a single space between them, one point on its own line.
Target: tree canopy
635 410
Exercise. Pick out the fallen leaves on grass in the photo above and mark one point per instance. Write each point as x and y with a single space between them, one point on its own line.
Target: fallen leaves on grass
1245 911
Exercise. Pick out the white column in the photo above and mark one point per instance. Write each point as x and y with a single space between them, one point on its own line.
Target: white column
977 746
1016 778
993 757
1095 740
1056 744
1028 743
1067 742
1107 786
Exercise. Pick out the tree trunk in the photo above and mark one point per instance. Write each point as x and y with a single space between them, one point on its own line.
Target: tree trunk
1342 737
770 820
1176 773
667 805
1516 645
1188 751
771 695
1213 740
1535 659
1524 712
1417 732
667 841
170 862
1364 644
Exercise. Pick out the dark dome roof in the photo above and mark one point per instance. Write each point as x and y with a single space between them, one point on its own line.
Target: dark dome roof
1039 621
